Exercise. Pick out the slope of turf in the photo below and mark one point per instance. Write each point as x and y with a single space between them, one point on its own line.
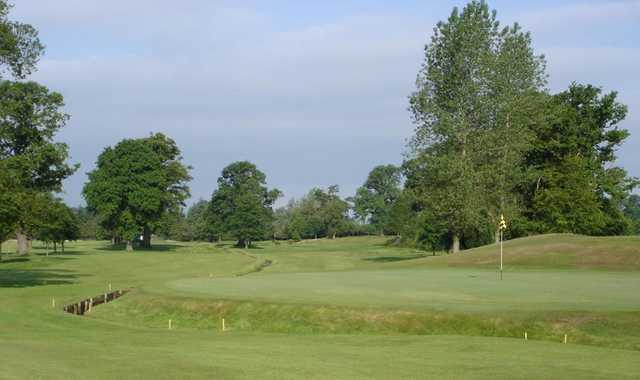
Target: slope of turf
561 251
375 300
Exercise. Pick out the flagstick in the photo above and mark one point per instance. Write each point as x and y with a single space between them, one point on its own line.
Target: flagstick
500 254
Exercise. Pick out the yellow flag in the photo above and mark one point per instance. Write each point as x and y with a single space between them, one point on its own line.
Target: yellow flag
503 224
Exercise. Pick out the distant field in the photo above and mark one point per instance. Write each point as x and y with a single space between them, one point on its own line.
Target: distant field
349 308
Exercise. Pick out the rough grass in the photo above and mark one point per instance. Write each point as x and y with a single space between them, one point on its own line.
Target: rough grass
607 329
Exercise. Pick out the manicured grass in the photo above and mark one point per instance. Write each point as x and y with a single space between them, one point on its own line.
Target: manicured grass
349 308
459 290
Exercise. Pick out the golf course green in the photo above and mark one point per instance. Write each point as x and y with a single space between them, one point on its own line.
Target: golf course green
343 308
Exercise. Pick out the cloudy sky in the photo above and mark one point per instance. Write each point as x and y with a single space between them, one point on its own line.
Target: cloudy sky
314 93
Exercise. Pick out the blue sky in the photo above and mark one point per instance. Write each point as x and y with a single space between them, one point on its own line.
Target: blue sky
314 93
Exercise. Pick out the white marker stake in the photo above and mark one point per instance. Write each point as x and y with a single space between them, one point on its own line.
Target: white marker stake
525 335
565 338
169 324
53 302
223 327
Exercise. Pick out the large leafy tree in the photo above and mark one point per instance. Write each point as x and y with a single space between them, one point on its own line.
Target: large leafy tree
375 199
201 224
20 48
573 185
242 205
30 116
470 128
333 210
134 184
57 222
631 207
88 222
320 213
8 206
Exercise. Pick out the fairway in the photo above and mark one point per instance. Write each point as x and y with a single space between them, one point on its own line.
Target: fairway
344 308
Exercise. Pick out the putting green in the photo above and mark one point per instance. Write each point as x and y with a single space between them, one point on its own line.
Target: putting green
455 290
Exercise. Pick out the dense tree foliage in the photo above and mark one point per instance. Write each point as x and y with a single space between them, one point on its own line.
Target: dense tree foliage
375 199
135 184
573 186
32 164
58 222
241 206
321 213
631 209
20 48
30 116
470 123
490 140
88 222
202 226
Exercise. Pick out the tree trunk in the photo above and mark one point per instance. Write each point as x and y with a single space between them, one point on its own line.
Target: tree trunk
456 244
129 246
334 236
22 247
55 247
146 237
62 244
246 244
0 250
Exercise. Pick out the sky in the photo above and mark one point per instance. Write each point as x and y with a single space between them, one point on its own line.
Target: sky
314 93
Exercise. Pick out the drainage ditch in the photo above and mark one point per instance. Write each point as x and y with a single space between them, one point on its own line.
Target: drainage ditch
85 306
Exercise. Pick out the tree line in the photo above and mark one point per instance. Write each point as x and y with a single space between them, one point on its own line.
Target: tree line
490 139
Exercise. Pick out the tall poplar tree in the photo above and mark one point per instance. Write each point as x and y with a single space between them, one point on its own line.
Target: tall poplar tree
470 131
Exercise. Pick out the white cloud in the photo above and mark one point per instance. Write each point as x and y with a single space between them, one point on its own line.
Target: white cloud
321 102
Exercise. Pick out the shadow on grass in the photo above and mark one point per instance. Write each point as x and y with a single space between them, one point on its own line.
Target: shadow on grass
59 253
23 278
154 248
8 260
390 259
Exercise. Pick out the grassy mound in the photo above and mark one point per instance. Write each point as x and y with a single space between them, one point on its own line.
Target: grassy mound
553 251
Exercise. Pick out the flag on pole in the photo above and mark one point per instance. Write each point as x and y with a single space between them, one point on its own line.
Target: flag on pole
503 224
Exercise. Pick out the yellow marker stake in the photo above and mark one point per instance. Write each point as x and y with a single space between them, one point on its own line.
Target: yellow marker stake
169 324
565 338
525 335
223 327
53 302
